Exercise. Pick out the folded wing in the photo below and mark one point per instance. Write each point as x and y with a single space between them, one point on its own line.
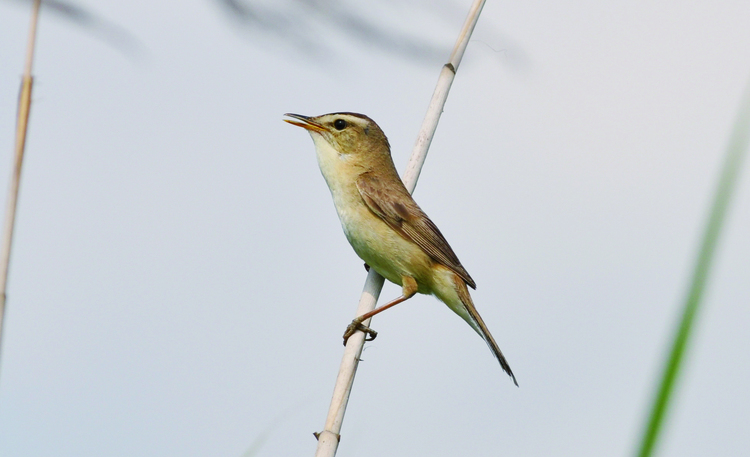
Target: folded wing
397 208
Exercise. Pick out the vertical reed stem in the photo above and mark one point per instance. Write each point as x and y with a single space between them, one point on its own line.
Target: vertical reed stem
328 439
24 107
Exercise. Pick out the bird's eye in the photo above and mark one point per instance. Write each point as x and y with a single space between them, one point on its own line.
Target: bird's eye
340 124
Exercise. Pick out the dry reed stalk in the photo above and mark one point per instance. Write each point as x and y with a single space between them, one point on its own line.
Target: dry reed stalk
24 107
328 439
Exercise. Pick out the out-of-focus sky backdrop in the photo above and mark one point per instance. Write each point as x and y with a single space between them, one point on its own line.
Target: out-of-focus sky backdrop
180 282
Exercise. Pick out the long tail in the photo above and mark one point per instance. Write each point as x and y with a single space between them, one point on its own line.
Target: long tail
481 327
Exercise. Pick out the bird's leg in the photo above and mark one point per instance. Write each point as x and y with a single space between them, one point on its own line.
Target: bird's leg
408 289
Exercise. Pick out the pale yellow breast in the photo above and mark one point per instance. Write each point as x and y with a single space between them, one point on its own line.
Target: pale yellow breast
373 240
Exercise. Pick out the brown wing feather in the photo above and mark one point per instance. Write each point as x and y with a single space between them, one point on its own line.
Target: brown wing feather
397 209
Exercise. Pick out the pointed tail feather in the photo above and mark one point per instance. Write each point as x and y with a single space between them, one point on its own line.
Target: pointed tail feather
481 327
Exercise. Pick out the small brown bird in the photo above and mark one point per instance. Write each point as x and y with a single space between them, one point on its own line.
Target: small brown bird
383 223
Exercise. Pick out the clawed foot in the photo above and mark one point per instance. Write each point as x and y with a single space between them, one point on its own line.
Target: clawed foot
356 324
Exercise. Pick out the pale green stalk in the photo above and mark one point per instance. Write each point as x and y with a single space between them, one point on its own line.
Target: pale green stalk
735 153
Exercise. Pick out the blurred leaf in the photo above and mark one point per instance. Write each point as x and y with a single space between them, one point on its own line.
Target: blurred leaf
107 31
296 21
736 150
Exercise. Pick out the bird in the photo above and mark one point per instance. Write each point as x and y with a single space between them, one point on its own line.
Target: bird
383 223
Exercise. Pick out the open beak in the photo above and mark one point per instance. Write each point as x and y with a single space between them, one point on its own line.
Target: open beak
307 123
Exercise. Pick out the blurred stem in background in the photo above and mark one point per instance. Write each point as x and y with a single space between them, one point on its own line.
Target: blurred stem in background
24 107
735 153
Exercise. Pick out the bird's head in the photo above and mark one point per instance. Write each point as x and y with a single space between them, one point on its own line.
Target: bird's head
351 134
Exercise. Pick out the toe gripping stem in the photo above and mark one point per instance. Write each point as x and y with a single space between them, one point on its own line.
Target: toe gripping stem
357 324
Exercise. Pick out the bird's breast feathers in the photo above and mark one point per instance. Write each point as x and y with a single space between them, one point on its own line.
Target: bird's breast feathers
374 242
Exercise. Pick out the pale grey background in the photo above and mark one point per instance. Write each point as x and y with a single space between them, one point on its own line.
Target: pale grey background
180 281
